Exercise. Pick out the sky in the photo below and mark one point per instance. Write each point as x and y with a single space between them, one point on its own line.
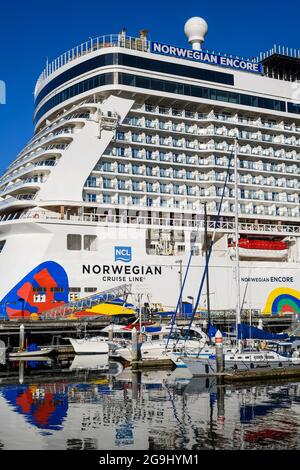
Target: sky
33 30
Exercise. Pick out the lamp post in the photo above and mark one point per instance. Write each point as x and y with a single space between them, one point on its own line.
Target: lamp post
180 284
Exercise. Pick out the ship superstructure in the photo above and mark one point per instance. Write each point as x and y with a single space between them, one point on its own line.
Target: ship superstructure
131 138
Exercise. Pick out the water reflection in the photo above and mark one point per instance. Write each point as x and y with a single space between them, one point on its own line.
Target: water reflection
65 406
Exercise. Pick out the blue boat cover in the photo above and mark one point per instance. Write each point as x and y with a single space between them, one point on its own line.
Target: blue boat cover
152 329
251 332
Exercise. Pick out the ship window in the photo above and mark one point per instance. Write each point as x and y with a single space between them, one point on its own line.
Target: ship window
2 243
106 198
74 242
91 197
73 296
57 289
90 289
39 289
74 289
90 242
136 62
39 298
207 93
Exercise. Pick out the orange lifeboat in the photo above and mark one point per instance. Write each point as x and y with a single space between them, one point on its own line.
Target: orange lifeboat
263 249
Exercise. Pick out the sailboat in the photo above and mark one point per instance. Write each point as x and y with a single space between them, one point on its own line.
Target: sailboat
159 345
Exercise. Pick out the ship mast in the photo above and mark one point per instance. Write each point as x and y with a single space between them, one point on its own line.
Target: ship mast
237 257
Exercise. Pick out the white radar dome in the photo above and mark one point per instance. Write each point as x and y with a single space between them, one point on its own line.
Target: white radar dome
195 29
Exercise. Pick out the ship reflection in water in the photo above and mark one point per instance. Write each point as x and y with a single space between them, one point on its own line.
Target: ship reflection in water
45 405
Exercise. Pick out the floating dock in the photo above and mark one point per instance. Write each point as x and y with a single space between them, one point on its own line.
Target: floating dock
260 374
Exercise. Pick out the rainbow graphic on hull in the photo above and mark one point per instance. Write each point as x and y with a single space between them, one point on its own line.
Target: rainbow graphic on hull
48 278
283 300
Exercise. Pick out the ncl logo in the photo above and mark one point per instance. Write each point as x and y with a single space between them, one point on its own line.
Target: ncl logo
123 253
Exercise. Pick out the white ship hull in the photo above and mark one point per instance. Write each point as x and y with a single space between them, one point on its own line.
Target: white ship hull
263 283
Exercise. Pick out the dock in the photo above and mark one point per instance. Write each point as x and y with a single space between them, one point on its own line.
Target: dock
260 374
46 332
49 332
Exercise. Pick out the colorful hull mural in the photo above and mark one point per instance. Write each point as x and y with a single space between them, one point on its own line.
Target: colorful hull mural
283 300
48 279
47 286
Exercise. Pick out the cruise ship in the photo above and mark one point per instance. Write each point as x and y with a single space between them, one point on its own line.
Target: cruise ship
132 139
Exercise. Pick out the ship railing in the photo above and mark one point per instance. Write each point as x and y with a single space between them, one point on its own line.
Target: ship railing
28 169
227 226
59 121
219 118
215 132
244 150
100 42
44 139
56 148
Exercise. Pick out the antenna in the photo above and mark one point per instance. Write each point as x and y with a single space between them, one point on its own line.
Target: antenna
196 29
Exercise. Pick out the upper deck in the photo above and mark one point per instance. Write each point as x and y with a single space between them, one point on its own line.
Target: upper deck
120 40
279 62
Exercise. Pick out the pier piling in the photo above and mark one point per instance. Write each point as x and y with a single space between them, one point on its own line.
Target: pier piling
22 338
219 352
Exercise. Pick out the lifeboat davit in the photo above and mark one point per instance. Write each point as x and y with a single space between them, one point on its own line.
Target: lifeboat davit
262 249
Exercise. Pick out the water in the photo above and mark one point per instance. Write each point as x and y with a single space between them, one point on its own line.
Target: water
66 406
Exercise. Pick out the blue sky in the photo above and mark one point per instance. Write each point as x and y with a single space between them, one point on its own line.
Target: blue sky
32 30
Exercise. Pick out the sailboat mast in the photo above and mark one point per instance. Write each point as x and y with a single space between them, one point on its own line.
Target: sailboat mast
206 260
236 224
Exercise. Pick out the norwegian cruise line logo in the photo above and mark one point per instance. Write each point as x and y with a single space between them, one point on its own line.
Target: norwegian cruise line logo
123 253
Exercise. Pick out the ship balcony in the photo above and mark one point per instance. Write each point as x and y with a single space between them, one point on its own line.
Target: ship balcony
248 180
78 113
29 183
52 136
212 192
30 169
209 162
244 151
18 201
235 120
267 186
73 119
214 132
48 152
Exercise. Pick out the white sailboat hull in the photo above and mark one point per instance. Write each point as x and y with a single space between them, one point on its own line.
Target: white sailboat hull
94 345
207 366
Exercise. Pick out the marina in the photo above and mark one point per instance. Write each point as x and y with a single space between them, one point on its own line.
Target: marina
158 198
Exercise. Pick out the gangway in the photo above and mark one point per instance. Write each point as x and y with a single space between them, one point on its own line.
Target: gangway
78 305
294 329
